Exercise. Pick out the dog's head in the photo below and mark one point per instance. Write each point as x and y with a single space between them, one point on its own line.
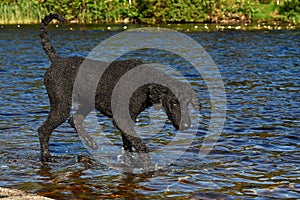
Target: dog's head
176 103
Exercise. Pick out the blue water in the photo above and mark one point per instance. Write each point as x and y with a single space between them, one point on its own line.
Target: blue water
256 156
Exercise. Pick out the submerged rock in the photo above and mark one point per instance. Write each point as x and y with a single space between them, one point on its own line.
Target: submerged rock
13 194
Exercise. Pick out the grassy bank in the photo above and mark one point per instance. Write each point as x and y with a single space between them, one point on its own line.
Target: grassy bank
151 11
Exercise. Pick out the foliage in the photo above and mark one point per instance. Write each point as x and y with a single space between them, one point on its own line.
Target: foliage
290 9
149 11
157 11
265 12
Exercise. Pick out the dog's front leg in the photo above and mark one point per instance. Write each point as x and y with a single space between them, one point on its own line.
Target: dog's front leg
131 139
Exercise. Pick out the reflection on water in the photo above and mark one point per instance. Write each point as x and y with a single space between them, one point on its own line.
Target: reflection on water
257 155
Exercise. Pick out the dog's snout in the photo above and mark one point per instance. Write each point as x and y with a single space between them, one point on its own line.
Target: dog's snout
184 126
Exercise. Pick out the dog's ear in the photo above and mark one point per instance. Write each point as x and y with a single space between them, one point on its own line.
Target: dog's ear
188 91
152 94
156 93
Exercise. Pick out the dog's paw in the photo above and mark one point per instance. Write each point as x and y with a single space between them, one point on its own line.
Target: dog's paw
45 159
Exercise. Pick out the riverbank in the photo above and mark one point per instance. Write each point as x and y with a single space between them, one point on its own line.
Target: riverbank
186 27
153 12
13 194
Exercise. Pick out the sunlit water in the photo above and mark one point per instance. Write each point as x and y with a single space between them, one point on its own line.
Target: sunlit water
257 154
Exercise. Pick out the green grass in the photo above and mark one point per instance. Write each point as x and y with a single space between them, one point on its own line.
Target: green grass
265 12
271 12
23 12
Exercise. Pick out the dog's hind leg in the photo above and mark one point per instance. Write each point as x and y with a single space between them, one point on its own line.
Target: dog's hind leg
58 114
77 123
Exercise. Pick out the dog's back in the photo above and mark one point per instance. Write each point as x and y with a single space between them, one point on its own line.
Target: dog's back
61 75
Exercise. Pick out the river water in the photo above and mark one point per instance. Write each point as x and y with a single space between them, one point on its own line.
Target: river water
256 156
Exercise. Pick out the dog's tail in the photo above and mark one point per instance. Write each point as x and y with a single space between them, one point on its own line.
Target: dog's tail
47 46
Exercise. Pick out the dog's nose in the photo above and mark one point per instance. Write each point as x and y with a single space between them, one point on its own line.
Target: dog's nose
184 126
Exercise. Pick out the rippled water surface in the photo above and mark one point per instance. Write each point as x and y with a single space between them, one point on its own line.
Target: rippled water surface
256 156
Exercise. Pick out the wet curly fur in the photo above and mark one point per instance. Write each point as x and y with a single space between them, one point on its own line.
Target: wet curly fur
59 81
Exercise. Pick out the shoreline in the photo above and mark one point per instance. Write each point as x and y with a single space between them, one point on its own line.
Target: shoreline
232 21
183 27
